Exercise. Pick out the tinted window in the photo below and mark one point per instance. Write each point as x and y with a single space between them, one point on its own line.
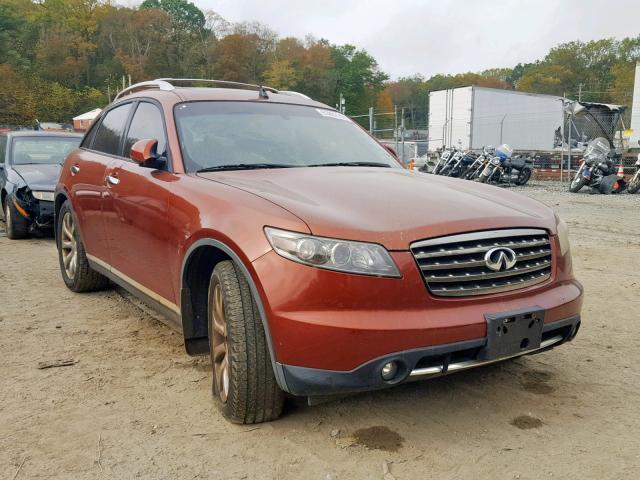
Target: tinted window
214 134
146 123
110 131
47 150
3 147
88 138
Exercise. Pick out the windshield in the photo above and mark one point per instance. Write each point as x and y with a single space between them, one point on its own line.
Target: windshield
267 135
597 147
42 150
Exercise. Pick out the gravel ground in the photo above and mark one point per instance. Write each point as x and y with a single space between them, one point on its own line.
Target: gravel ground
133 405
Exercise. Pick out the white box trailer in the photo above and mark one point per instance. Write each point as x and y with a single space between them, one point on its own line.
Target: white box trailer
635 111
474 117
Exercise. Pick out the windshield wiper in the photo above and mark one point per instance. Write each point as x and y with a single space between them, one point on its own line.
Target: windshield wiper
351 164
244 166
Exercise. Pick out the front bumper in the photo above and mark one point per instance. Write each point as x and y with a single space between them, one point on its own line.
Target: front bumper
332 321
39 212
413 364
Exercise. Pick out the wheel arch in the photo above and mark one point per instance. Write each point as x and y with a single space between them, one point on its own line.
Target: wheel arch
198 264
59 200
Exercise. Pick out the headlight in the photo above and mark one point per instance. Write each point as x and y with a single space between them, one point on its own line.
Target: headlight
46 196
563 235
332 254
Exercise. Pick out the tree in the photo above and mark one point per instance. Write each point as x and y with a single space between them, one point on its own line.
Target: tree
186 16
281 74
358 77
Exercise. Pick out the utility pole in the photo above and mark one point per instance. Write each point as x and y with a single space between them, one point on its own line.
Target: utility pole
371 120
579 92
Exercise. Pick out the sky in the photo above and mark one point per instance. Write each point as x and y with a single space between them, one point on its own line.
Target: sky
428 37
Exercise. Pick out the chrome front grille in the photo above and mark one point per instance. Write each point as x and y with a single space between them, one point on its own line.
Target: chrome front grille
455 266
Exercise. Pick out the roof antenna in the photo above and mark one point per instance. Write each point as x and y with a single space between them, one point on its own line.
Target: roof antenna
262 93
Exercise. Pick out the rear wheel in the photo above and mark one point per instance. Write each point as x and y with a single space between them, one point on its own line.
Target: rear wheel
74 266
524 176
17 226
243 379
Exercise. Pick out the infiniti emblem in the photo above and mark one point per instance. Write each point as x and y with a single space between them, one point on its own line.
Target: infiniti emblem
500 258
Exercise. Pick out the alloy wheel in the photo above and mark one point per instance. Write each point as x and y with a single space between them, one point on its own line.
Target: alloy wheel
219 344
69 246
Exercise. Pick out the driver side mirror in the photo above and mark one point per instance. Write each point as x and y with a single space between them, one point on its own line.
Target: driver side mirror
144 153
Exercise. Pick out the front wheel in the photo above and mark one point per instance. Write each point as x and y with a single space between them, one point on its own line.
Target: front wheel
17 226
578 182
486 174
634 184
243 378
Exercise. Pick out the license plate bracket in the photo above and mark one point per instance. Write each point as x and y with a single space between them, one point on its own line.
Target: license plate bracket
513 333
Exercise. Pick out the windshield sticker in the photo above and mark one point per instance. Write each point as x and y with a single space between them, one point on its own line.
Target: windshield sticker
331 114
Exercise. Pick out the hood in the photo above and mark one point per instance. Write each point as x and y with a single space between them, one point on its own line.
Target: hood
39 176
392 207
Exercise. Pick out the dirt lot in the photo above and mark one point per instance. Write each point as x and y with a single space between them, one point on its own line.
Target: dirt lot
136 406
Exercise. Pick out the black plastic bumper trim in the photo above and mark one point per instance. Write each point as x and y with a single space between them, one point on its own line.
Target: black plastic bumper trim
304 381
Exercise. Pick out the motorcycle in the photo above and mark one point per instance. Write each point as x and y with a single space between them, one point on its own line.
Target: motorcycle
598 170
442 160
517 170
494 169
478 165
634 183
448 166
461 164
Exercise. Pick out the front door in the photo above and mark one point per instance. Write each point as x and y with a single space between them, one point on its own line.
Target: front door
135 212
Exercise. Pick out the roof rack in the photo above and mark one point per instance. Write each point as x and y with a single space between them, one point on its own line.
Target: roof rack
167 84
159 84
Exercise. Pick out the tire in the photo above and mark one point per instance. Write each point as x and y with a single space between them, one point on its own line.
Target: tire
17 226
78 276
524 176
577 183
634 184
243 379
485 176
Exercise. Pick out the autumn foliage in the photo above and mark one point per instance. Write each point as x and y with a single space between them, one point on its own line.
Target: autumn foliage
59 58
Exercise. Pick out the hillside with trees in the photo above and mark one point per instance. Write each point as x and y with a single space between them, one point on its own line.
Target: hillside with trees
59 58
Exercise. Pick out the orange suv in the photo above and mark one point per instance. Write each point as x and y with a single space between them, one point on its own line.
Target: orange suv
284 241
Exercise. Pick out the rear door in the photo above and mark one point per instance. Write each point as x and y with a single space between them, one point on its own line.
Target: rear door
136 209
87 168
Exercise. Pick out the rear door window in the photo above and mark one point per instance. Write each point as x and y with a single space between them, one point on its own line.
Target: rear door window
146 123
109 134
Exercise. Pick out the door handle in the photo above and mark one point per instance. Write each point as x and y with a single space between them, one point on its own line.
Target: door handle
111 180
74 169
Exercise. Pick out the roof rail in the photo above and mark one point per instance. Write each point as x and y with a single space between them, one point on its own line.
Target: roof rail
291 93
167 84
220 82
159 84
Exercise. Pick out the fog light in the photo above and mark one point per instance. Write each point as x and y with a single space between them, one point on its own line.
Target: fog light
389 370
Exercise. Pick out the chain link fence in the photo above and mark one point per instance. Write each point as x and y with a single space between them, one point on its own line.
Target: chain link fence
404 129
556 144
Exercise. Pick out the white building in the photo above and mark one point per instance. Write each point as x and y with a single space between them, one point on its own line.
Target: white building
83 122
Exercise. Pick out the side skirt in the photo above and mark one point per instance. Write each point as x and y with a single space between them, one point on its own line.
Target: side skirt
171 316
